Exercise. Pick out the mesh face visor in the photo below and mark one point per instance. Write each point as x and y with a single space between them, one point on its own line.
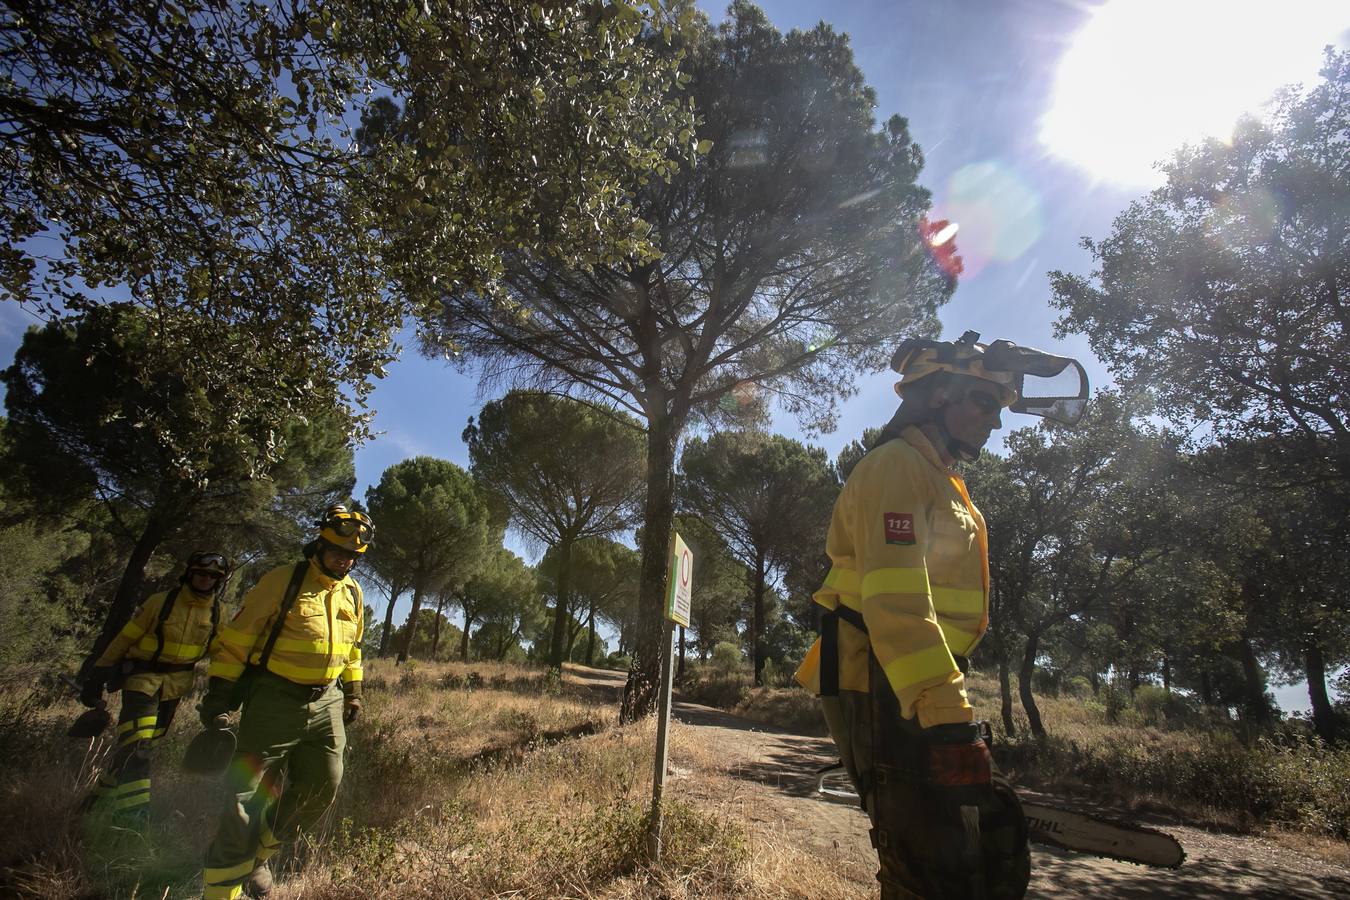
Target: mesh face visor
1049 386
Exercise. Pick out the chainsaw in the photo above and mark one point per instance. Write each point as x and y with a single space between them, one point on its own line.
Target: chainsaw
1063 828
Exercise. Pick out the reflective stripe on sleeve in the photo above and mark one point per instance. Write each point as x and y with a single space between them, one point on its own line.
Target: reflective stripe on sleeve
931 662
172 652
958 601
230 671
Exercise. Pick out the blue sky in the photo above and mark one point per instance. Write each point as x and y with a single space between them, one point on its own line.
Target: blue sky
977 81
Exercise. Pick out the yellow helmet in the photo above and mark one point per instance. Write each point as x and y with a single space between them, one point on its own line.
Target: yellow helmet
916 359
348 529
1030 381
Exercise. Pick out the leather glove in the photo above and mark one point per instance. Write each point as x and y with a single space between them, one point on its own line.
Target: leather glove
351 708
958 755
91 692
217 704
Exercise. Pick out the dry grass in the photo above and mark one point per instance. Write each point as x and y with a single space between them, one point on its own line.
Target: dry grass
462 782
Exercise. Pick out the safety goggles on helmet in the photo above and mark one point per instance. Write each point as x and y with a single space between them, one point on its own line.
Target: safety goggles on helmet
1031 381
348 529
208 563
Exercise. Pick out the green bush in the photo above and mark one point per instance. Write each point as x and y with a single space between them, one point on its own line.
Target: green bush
727 658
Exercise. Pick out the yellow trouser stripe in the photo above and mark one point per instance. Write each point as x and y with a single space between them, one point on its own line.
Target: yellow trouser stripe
958 601
911 668
142 722
141 734
894 581
230 873
222 892
140 799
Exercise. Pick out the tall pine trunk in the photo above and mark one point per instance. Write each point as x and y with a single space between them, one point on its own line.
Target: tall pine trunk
464 638
129 589
1256 709
387 639
644 676
436 628
590 636
411 628
555 653
1315 668
679 673
1024 675
1005 693
757 621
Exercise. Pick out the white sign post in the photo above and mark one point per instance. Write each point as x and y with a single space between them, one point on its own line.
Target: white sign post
680 580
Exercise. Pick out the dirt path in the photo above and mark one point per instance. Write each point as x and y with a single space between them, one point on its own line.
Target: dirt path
771 773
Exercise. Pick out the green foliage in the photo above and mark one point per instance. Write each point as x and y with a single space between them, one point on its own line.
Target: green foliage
566 471
768 498
433 530
766 283
1255 227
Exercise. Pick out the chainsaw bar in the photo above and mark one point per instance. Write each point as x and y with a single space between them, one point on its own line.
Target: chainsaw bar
1087 833
1069 830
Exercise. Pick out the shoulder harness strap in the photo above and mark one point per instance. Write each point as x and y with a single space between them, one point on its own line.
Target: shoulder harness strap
287 601
164 612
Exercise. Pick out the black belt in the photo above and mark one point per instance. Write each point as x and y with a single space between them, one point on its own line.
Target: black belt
307 692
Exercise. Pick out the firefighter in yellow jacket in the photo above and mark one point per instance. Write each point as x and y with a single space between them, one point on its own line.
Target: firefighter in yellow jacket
151 661
905 603
292 658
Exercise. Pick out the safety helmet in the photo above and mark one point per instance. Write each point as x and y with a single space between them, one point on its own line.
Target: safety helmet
1030 381
346 528
210 562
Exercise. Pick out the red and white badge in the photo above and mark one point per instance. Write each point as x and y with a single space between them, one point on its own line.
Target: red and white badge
899 527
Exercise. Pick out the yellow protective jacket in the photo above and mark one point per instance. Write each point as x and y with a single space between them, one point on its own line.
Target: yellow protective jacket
187 631
909 551
319 641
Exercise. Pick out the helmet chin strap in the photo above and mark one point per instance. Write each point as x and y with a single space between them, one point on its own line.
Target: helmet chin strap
959 449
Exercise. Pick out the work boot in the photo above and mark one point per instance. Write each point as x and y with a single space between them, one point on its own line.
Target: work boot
258 884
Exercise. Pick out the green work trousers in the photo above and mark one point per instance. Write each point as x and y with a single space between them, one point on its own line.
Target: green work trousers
123 789
967 842
285 772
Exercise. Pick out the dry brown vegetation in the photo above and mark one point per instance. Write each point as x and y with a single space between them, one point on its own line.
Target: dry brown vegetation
462 781
487 780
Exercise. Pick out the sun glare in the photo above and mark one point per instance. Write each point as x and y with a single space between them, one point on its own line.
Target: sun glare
1144 77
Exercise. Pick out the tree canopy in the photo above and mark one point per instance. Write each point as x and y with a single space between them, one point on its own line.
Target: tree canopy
768 282
1224 290
769 498
432 526
566 471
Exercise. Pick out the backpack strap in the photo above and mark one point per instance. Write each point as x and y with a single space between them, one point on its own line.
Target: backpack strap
164 612
287 601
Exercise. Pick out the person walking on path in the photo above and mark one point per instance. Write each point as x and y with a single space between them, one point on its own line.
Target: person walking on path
291 658
151 661
905 603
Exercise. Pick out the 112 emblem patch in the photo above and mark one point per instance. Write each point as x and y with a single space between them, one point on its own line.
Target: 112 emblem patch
899 528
